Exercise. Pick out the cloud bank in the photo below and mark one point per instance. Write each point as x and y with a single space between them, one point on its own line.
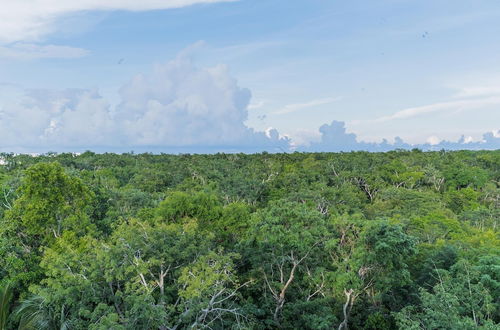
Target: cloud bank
335 138
176 108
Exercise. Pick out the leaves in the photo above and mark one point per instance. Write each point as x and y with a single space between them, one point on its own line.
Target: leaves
5 304
403 239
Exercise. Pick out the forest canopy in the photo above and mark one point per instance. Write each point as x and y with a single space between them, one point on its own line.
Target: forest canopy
395 240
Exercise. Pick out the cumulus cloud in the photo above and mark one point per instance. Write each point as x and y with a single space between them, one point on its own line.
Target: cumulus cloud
33 19
177 106
181 105
55 118
335 138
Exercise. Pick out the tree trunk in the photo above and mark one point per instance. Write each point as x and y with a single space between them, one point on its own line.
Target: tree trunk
280 301
347 309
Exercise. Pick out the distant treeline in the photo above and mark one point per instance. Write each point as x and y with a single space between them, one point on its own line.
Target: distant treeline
396 240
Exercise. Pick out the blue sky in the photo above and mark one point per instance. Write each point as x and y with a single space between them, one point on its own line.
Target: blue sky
208 73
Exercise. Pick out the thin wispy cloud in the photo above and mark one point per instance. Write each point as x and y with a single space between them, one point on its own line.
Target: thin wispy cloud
256 105
478 91
467 104
301 106
34 19
23 51
428 28
240 50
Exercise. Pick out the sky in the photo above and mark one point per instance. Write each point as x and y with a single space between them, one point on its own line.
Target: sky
249 75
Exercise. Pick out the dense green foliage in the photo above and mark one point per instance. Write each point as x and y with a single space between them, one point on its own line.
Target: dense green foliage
397 240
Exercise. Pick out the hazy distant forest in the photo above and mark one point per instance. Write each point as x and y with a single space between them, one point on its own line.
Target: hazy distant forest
396 240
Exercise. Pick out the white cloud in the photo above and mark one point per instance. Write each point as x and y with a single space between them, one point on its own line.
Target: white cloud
238 51
177 105
300 106
28 20
31 51
478 91
303 137
56 118
433 140
466 104
468 139
334 137
256 105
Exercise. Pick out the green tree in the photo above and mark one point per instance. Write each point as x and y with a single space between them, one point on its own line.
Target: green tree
284 241
5 305
368 259
49 203
458 301
209 292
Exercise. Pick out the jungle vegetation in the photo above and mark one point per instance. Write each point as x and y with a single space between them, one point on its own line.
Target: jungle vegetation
396 240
